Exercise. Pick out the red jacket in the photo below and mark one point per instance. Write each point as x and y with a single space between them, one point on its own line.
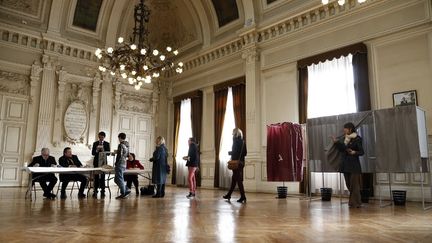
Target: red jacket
134 164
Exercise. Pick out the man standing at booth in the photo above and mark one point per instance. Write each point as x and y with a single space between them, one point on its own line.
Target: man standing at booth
100 158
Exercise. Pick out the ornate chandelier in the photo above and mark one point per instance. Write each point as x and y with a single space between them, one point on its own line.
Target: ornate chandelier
341 2
137 61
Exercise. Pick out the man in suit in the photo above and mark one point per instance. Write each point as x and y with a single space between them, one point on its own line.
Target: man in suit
98 147
70 160
45 160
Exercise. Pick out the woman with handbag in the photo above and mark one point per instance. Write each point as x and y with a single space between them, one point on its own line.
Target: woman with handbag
159 170
351 147
236 164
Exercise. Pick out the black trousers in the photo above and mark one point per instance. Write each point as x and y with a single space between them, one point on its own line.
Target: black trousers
237 179
43 179
99 182
65 179
132 179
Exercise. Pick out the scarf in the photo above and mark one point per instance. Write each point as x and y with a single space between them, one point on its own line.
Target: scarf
348 137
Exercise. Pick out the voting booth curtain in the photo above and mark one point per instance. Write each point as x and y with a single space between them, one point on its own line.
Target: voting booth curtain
284 152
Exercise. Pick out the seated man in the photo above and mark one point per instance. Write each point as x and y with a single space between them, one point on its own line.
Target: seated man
70 160
45 160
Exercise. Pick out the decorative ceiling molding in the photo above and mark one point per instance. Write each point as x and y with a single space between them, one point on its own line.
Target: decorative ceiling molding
26 13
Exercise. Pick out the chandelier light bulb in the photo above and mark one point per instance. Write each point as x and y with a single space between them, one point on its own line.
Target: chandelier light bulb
110 50
139 78
99 56
140 83
162 57
155 75
145 67
133 72
122 67
361 1
124 75
168 49
148 77
143 51
155 52
133 46
120 40
130 80
341 2
147 81
137 87
112 73
325 1
180 64
98 51
100 68
176 52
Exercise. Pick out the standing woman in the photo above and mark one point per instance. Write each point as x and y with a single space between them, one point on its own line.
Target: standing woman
352 148
192 164
238 152
159 171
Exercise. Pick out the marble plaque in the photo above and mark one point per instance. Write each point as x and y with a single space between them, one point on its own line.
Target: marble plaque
75 120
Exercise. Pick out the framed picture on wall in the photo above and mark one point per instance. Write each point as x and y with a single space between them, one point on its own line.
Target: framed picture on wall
405 98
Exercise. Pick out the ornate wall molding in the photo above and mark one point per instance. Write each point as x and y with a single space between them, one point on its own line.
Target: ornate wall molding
14 83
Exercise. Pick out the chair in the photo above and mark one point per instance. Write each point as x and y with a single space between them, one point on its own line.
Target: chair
74 183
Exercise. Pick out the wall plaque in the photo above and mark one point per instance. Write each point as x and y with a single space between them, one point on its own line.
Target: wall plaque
75 121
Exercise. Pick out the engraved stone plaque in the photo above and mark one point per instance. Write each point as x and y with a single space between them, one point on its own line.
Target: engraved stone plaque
75 121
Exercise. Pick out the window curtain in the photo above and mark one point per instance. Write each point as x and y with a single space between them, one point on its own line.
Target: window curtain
185 132
196 117
361 87
177 106
239 103
221 96
330 92
226 142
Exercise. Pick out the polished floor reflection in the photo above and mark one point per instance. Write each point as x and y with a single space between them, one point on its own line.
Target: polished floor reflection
205 219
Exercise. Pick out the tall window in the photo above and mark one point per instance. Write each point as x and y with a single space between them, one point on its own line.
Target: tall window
226 142
330 92
185 132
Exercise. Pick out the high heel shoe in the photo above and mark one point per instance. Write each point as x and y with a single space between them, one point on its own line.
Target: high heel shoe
227 197
242 200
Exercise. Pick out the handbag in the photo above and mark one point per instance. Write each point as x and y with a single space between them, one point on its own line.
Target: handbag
234 164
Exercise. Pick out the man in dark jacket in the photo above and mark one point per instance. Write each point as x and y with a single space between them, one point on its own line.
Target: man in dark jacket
45 160
98 149
70 160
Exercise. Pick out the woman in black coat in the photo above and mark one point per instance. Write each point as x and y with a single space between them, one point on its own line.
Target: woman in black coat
352 148
192 164
159 169
238 152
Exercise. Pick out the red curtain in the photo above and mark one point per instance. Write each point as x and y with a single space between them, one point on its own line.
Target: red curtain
239 100
219 116
196 118
177 106
284 152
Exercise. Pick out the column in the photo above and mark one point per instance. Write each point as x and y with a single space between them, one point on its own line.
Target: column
253 128
46 104
58 119
93 128
207 139
106 107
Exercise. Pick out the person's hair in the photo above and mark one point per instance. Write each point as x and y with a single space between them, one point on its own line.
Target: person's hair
161 140
122 135
350 126
192 140
133 155
237 133
45 149
66 149
102 134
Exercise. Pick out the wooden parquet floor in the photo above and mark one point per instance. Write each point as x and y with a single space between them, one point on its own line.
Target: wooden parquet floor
205 219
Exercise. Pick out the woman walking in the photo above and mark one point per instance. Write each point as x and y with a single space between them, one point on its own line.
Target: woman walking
238 152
